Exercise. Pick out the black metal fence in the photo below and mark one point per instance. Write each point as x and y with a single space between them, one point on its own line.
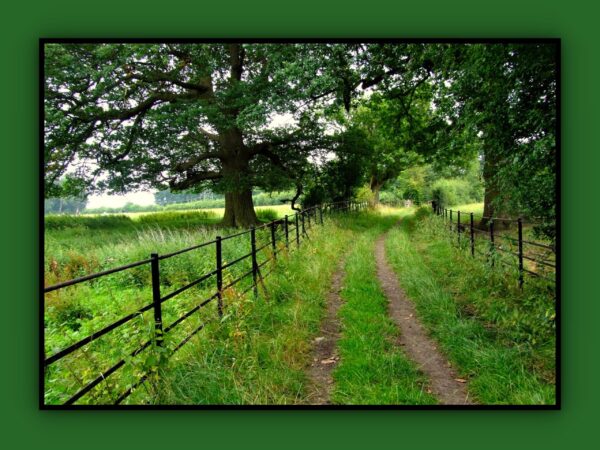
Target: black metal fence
529 257
282 235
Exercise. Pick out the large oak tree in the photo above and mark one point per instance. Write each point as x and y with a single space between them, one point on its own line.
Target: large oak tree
127 116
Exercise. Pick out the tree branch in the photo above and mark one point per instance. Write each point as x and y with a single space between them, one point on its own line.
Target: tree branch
190 163
192 178
212 136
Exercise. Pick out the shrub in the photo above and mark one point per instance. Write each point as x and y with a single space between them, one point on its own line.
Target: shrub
267 215
174 219
364 194
453 191
52 222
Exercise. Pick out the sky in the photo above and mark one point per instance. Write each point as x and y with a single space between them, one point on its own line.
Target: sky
116 201
147 197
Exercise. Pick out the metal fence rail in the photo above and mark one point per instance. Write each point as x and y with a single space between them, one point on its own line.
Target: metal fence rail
291 230
519 249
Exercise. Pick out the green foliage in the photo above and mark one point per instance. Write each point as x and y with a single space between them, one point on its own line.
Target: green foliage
505 96
66 205
364 194
267 215
452 192
177 219
166 197
92 222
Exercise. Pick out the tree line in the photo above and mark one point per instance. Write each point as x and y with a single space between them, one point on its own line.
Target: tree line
319 119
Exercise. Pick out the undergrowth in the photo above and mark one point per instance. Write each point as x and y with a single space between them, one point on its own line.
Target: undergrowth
503 337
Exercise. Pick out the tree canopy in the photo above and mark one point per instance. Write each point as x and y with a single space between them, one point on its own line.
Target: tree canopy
315 117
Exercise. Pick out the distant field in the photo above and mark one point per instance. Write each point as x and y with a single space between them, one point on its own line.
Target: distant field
475 208
282 210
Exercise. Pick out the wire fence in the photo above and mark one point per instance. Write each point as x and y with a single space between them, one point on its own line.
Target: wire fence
266 243
503 241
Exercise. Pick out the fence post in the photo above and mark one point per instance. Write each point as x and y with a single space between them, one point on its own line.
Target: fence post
297 231
254 263
303 229
218 253
520 223
472 238
458 225
321 214
450 220
308 216
273 240
158 330
492 248
287 235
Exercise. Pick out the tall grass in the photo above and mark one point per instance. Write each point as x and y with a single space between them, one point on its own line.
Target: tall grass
258 353
501 336
373 368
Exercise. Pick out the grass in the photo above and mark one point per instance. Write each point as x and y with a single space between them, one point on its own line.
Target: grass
475 208
75 312
218 212
500 337
267 333
259 353
373 369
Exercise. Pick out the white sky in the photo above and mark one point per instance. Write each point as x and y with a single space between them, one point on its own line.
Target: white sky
116 201
147 197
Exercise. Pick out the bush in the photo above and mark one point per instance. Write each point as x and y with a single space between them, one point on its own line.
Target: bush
453 191
172 219
267 215
52 222
364 194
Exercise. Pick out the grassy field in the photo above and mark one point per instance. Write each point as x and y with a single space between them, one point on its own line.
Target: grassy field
475 208
282 210
77 246
260 336
259 353
500 336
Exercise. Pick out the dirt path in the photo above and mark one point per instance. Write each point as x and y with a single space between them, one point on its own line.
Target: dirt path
414 339
325 356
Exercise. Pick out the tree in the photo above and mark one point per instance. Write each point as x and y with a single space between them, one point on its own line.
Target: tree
196 115
504 95
398 135
182 114
64 205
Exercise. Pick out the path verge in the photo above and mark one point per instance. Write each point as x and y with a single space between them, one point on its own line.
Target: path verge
444 381
325 354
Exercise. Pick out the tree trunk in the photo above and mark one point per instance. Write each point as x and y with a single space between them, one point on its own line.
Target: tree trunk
375 186
239 209
490 207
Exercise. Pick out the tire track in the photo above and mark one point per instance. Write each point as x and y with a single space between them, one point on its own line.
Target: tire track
325 353
414 339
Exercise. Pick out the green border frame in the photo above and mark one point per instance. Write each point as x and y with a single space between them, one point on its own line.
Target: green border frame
25 426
